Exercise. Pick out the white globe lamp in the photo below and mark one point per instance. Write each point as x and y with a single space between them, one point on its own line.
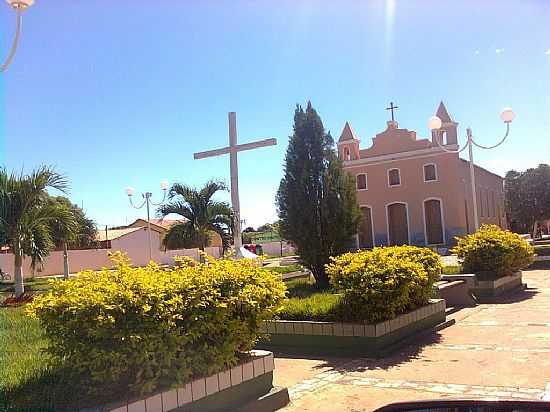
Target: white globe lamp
434 123
507 115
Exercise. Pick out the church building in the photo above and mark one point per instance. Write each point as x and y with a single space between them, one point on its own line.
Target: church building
411 191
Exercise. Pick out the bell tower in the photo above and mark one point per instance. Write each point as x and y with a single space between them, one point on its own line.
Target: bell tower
447 135
348 144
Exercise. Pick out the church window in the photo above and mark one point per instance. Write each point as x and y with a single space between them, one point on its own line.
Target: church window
394 179
361 180
430 173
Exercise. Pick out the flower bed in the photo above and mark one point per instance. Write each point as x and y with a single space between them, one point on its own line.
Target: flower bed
485 289
365 339
248 384
496 257
378 298
129 332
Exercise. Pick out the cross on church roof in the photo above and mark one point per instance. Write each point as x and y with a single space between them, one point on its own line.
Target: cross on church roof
392 108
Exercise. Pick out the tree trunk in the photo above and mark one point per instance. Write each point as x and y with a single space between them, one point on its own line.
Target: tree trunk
65 261
18 275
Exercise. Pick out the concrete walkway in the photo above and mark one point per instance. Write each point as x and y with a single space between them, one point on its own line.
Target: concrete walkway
493 350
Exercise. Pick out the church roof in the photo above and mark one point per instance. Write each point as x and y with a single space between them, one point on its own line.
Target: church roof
443 114
348 133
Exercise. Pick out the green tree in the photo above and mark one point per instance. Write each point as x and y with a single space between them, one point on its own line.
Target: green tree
78 233
86 230
203 215
28 216
527 197
316 198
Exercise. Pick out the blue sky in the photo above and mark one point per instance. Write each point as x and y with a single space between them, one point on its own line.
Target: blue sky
119 93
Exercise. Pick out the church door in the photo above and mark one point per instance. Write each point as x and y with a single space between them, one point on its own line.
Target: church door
434 222
398 226
365 231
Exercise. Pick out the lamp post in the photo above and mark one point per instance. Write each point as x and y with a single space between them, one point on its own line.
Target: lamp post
19 6
434 123
147 202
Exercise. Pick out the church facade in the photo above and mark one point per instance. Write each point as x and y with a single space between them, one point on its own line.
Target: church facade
411 191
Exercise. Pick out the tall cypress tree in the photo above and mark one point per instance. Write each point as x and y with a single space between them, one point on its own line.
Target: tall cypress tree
316 198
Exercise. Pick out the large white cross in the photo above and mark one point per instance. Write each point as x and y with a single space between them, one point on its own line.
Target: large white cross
233 149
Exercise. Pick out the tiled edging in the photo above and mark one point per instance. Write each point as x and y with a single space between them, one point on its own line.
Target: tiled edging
375 330
352 338
497 287
261 363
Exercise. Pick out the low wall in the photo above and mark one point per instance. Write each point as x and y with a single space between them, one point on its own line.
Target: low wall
487 289
351 338
94 259
227 390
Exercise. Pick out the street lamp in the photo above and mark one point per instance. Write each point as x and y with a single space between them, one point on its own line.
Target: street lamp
147 202
434 123
19 6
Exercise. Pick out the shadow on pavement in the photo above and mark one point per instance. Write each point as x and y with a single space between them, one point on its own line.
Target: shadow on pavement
408 353
519 296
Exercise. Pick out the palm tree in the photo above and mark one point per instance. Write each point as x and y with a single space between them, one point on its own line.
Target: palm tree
202 215
28 217
64 231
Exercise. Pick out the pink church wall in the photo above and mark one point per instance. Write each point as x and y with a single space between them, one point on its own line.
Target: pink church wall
400 149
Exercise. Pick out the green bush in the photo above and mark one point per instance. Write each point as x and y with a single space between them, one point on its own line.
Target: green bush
135 329
381 283
492 252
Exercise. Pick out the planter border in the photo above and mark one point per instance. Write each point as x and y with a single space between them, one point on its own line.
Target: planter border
498 287
256 373
352 338
371 330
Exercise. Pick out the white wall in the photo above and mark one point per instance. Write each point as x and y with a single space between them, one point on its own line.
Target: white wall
274 248
135 245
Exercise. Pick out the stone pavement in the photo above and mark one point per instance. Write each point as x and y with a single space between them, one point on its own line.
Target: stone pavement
494 350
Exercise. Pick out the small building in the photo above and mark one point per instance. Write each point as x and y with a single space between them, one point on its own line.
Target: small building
164 224
411 191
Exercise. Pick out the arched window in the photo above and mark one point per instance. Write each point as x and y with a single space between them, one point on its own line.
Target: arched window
347 154
430 173
394 179
433 222
361 181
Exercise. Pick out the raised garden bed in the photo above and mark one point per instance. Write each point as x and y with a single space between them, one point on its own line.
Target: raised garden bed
487 289
362 339
245 387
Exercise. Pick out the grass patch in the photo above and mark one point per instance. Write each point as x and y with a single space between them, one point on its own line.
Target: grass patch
308 302
452 270
286 269
33 285
29 381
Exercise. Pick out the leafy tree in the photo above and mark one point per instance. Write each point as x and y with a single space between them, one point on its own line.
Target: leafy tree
527 196
86 230
249 229
267 227
28 216
316 198
79 233
202 214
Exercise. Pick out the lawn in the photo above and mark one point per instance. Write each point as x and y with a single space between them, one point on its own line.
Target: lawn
307 302
33 285
28 381
286 269
452 270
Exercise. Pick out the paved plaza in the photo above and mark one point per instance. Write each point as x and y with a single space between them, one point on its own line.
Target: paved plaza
493 350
